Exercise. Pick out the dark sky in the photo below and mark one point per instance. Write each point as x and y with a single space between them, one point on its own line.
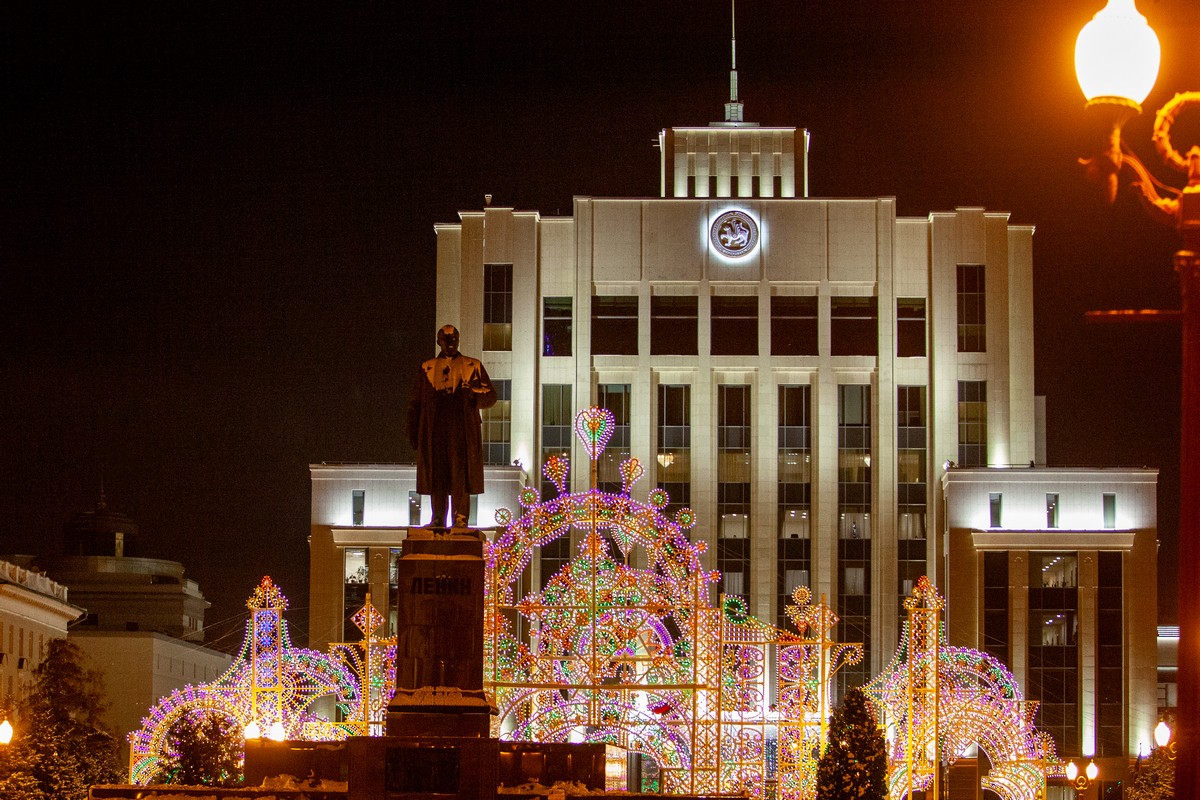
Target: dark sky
217 220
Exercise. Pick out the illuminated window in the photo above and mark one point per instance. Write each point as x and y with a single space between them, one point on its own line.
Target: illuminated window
614 326
557 420
910 489
793 326
733 488
556 326
414 508
497 426
854 326
497 306
674 443
972 327
1051 510
854 528
1109 502
734 326
995 501
910 327
358 506
354 590
616 398
794 437
673 326
972 424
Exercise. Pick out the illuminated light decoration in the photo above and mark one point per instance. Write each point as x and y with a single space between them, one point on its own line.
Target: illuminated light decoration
638 657
271 685
734 234
372 661
938 700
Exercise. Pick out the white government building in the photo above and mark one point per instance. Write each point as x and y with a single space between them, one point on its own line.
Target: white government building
839 393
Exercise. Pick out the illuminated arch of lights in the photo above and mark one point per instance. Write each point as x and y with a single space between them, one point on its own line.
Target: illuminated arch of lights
273 685
622 645
637 655
939 700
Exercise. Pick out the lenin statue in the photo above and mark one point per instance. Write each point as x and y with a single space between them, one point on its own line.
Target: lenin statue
444 428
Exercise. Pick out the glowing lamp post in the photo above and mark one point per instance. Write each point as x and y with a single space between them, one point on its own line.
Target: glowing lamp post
1162 738
1082 781
6 731
1116 60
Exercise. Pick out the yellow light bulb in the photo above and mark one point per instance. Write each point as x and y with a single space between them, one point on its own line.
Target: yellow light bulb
6 732
252 730
1162 734
1117 55
1092 771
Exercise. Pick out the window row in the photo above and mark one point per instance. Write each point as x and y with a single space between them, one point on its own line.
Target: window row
1108 510
674 321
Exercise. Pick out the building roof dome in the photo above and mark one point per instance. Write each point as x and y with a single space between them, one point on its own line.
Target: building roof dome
100 532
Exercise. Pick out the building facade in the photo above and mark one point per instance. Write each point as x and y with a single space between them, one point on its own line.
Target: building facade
140 668
1054 573
33 610
795 370
121 590
361 514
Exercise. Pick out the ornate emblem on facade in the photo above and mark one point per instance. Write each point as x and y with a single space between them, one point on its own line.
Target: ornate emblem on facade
734 234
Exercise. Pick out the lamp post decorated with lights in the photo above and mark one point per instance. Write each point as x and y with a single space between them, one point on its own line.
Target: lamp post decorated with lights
1116 61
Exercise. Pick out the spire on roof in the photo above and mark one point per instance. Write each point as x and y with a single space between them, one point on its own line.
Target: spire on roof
733 109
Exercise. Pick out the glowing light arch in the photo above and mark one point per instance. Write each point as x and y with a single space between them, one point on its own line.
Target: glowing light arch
270 681
638 656
938 700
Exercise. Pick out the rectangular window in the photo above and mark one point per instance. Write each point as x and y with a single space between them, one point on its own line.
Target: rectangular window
910 327
354 589
414 508
497 306
911 550
794 438
972 328
556 326
1110 510
614 326
616 398
734 326
854 461
994 502
673 326
793 326
1051 510
995 605
497 426
556 429
794 565
733 487
358 506
674 442
972 424
854 326
854 527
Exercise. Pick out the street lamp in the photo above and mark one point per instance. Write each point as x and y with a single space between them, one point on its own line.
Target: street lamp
6 731
1116 60
1082 781
1162 737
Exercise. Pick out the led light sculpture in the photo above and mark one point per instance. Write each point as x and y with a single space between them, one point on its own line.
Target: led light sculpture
638 656
271 684
938 700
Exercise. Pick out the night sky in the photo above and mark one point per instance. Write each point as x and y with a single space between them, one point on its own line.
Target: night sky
217 221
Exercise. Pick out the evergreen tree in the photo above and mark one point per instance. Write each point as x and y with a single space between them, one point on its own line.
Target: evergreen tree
1154 778
854 764
204 749
62 747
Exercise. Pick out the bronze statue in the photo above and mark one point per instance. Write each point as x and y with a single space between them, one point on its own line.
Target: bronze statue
444 427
